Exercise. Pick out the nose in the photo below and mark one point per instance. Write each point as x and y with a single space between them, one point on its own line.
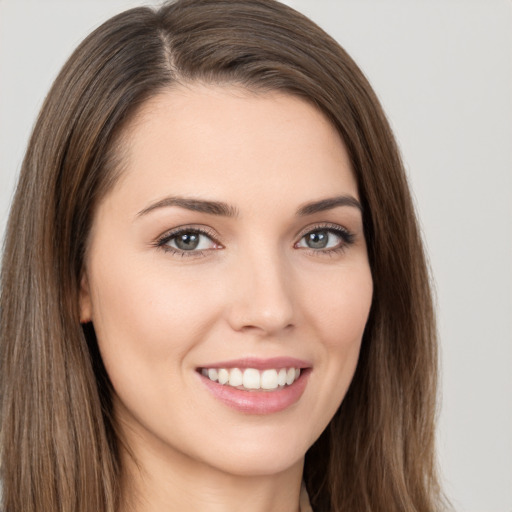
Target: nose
261 295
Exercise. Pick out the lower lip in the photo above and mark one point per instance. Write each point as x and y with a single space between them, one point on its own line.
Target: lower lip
258 402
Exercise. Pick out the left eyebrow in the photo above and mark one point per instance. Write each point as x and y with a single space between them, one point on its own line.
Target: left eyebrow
328 204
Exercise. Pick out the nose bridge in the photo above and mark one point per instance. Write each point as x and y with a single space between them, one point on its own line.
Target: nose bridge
262 298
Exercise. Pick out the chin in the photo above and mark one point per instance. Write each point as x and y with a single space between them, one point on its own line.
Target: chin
261 463
262 454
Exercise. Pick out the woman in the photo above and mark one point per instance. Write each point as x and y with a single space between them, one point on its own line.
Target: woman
213 286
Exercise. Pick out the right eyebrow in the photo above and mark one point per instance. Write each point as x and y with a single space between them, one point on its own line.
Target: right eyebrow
196 205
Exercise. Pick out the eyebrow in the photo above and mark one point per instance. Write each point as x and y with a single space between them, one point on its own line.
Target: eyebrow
328 204
196 205
226 210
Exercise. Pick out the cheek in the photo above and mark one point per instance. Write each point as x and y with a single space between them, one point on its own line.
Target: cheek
150 316
339 311
339 305
147 328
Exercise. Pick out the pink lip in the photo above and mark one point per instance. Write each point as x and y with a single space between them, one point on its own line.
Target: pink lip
258 402
260 364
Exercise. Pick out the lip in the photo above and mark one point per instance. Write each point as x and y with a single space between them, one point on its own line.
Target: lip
259 402
260 364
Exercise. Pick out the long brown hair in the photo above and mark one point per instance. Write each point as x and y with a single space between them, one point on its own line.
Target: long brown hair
59 448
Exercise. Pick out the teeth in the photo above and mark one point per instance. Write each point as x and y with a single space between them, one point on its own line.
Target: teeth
250 378
235 377
223 376
269 379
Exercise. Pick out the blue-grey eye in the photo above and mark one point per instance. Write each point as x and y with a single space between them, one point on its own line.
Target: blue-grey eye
321 239
191 241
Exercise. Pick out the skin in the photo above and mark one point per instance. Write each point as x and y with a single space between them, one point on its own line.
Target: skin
254 290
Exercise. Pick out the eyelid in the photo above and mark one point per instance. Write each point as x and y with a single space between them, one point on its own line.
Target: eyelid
327 226
347 238
162 240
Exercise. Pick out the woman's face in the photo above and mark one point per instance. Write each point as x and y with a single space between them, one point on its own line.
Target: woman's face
227 279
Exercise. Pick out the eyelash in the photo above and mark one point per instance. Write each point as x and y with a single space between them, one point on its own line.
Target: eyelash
344 234
347 239
163 241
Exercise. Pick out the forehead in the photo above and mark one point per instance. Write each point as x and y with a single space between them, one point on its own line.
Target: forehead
219 137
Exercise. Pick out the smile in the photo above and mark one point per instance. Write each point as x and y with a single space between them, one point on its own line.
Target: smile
257 386
251 379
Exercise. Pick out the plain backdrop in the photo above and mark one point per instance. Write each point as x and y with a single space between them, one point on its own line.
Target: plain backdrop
443 71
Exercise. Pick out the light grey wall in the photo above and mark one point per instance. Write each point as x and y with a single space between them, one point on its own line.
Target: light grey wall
443 70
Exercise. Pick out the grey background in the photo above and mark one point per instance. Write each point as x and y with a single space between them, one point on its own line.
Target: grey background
443 70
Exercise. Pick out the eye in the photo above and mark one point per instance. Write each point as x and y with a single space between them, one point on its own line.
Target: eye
187 241
325 239
321 239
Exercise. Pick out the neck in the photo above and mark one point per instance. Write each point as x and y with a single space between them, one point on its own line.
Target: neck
168 482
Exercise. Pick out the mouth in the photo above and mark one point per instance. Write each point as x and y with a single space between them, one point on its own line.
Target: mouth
252 379
256 386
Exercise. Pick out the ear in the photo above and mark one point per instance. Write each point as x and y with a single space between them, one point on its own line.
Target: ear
84 300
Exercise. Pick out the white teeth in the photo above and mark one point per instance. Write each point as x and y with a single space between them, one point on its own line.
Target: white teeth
235 377
250 378
269 379
223 376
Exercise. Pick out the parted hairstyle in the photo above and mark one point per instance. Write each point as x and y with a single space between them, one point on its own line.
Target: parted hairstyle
59 443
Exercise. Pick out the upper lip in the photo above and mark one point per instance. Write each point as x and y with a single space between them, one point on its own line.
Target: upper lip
259 363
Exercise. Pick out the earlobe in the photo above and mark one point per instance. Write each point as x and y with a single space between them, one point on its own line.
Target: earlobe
85 300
